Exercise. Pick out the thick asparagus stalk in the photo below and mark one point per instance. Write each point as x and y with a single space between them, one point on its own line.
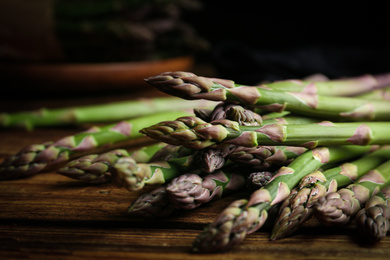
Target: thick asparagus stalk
96 168
352 86
195 133
337 208
189 191
38 157
243 217
109 112
298 207
190 86
374 219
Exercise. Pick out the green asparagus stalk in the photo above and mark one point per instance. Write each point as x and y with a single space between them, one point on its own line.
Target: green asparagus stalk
374 219
195 133
378 94
96 168
337 208
134 176
307 103
298 207
244 216
189 191
109 112
38 157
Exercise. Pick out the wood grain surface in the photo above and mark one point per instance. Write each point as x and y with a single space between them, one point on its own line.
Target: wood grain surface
49 216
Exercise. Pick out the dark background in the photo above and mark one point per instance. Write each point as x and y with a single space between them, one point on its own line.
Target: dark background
254 41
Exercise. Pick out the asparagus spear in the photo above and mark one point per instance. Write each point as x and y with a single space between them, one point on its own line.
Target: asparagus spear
298 207
134 176
93 168
96 168
374 219
190 86
195 133
344 87
189 191
112 112
38 157
151 204
337 208
244 216
238 113
264 157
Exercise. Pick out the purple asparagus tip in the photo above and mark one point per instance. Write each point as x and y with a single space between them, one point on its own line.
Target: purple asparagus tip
152 204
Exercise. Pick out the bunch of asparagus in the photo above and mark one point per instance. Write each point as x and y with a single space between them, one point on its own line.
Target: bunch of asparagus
298 148
344 165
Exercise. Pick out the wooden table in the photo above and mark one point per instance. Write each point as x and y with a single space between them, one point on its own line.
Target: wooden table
49 216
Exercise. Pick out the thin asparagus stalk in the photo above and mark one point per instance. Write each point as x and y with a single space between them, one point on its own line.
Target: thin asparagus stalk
374 219
96 168
307 103
244 216
109 112
134 176
195 133
154 152
189 191
38 157
337 208
298 207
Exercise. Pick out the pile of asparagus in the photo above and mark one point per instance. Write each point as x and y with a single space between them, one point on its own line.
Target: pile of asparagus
299 148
